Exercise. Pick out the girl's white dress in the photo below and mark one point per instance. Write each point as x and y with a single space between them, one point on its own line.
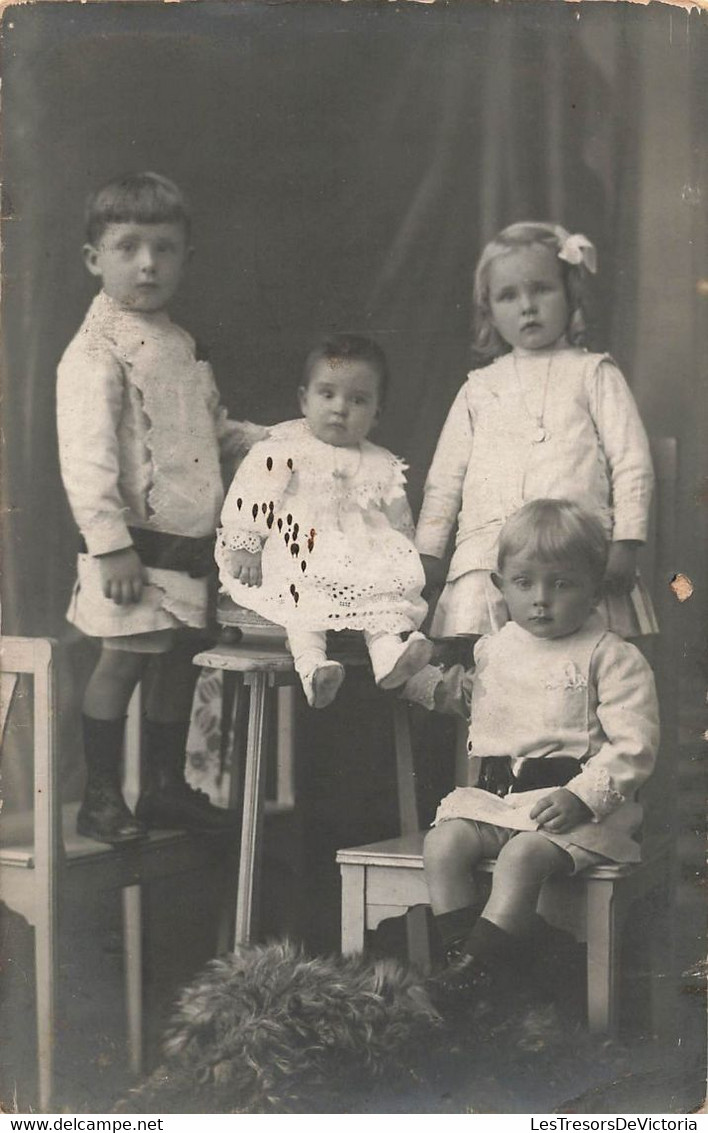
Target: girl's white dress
335 530
141 437
589 696
490 461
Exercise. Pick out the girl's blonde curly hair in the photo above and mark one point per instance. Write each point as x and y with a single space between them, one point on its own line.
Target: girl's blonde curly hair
486 340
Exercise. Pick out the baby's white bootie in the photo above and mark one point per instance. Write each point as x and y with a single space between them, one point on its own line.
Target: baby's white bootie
420 688
394 661
322 683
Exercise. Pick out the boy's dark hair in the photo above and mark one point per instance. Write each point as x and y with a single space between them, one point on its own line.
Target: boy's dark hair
556 531
140 198
349 348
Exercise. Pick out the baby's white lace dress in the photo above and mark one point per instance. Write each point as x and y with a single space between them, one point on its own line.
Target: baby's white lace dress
336 533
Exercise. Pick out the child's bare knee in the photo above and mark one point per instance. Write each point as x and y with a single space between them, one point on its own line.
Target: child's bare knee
120 665
452 839
532 855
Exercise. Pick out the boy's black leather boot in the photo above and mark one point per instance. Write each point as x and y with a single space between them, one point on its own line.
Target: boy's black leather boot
103 814
487 966
167 801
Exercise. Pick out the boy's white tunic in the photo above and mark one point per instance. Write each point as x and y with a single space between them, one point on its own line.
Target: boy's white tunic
343 512
590 695
141 436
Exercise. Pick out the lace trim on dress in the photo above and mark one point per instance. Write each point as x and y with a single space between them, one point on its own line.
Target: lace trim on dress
389 486
594 787
240 541
377 476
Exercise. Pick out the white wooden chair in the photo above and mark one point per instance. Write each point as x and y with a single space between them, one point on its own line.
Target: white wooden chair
39 867
385 879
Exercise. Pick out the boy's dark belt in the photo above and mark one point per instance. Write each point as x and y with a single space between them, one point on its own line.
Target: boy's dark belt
194 557
497 777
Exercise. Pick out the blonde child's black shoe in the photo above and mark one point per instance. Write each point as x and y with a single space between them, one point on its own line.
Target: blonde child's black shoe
167 801
103 814
486 969
466 983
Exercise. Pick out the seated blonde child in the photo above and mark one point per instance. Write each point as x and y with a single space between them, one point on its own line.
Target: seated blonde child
564 717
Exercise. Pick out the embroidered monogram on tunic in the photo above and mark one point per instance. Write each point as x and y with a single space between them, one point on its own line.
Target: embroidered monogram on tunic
569 677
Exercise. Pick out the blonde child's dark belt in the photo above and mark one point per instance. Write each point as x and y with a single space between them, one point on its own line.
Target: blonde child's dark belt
497 777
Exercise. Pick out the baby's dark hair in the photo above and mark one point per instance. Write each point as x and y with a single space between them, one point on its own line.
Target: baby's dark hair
556 531
487 342
349 348
140 198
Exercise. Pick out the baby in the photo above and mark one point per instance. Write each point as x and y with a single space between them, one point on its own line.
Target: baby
317 532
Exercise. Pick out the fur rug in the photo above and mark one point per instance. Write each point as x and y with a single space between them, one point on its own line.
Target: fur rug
270 1030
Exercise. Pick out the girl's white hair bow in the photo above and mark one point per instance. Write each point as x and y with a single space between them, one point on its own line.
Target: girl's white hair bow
576 249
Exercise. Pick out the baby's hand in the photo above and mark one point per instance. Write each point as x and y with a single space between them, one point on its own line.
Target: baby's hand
434 571
245 566
621 568
560 812
122 576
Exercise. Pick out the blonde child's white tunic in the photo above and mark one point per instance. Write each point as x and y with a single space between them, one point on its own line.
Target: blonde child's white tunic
141 436
336 533
489 462
590 696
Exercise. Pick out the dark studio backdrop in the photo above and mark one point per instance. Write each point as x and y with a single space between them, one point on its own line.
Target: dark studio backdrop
346 163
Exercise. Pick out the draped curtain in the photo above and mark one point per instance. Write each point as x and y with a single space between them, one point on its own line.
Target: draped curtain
345 164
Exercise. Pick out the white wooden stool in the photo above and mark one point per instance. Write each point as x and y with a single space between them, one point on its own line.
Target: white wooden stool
266 666
263 668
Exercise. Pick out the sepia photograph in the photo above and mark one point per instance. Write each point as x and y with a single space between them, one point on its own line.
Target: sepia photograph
354 543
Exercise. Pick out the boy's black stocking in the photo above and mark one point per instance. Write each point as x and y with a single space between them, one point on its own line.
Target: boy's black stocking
454 927
103 814
491 946
166 800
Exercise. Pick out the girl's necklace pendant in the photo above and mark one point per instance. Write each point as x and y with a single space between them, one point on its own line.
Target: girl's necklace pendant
539 434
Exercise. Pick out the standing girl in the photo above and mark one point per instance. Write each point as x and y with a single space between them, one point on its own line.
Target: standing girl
545 419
